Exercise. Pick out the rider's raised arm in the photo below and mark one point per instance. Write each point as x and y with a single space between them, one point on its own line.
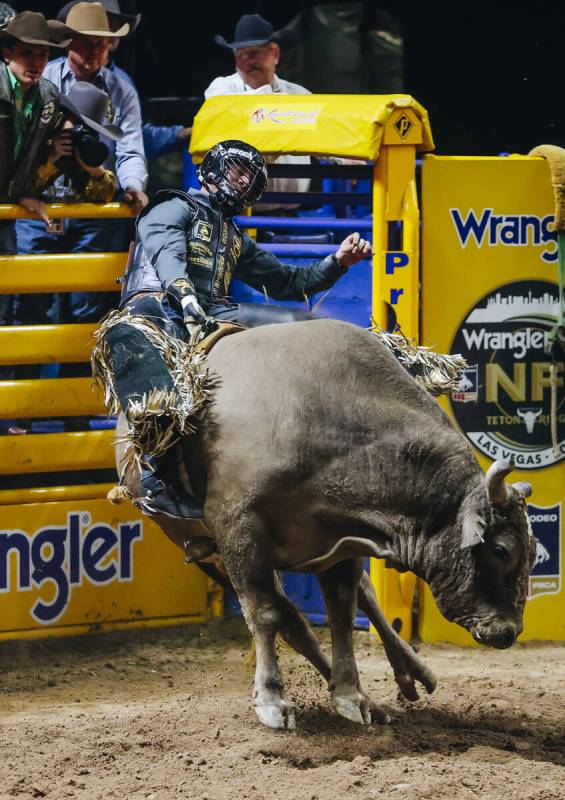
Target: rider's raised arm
264 272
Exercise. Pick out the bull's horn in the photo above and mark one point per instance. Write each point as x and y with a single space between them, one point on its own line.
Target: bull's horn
496 473
523 488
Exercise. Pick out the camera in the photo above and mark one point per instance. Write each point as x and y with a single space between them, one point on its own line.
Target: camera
87 142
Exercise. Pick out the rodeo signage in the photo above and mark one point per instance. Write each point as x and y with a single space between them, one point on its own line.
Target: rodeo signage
504 400
546 574
62 557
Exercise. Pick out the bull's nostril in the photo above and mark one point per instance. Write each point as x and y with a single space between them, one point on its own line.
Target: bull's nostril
507 638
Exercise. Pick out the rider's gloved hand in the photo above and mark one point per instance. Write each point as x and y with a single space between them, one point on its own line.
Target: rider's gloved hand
193 312
195 316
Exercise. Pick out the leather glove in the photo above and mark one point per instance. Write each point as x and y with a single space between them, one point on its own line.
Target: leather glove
194 316
192 310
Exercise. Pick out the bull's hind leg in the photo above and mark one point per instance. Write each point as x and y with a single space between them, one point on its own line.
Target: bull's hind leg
339 585
253 579
407 667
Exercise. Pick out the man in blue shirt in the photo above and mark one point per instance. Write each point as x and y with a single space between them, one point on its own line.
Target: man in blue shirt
158 140
86 55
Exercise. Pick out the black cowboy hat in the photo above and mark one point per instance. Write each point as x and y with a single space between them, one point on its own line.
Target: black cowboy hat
31 27
90 104
112 9
252 30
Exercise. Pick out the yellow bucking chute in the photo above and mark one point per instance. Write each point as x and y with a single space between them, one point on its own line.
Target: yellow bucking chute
350 126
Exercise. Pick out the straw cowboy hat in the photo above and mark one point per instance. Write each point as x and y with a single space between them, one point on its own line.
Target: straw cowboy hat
91 19
115 16
252 30
31 27
90 104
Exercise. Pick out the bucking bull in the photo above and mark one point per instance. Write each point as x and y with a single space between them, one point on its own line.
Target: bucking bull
317 449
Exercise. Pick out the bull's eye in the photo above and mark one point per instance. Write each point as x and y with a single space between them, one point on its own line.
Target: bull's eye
500 552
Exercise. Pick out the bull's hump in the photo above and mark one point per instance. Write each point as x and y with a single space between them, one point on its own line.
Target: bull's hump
347 362
314 343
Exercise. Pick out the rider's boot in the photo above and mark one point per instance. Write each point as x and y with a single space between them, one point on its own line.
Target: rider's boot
161 494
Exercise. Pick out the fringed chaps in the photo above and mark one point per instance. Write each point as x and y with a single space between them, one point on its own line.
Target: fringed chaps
159 418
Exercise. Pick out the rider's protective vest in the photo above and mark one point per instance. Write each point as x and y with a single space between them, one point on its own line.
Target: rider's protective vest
213 247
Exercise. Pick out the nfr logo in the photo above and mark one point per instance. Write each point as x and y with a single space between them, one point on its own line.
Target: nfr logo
546 526
505 334
65 556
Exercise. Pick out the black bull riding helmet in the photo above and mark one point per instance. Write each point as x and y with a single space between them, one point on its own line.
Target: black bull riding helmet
235 173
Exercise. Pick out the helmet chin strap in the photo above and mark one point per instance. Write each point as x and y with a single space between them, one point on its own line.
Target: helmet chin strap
229 205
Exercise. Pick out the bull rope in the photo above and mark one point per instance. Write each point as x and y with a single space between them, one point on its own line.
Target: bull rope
438 373
555 157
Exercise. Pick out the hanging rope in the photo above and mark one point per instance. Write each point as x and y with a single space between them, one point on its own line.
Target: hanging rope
555 157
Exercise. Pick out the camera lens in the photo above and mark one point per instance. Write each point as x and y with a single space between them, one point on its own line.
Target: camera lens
91 150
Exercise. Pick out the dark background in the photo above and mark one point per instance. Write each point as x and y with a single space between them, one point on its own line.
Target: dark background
490 75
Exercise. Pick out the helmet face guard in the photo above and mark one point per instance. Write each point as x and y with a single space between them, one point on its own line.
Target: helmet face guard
235 173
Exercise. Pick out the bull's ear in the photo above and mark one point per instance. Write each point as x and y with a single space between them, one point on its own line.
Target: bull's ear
473 530
523 488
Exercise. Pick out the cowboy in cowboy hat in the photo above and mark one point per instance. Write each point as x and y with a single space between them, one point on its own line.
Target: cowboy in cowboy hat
86 57
256 52
28 103
158 140
116 18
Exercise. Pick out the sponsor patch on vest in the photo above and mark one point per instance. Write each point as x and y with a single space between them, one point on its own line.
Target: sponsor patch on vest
546 574
235 248
200 248
203 231
503 404
48 112
201 261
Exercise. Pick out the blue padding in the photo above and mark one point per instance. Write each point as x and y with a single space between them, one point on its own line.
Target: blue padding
47 426
102 424
299 224
305 592
349 299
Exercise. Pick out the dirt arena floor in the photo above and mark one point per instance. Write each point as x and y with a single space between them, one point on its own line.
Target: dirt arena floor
167 714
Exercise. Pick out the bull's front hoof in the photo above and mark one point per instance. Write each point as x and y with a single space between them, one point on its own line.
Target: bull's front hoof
280 717
355 708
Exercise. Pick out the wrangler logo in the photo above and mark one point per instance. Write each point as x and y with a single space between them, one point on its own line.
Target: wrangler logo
66 556
510 230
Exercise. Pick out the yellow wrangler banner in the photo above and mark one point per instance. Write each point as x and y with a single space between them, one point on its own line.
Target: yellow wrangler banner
74 567
489 292
327 124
